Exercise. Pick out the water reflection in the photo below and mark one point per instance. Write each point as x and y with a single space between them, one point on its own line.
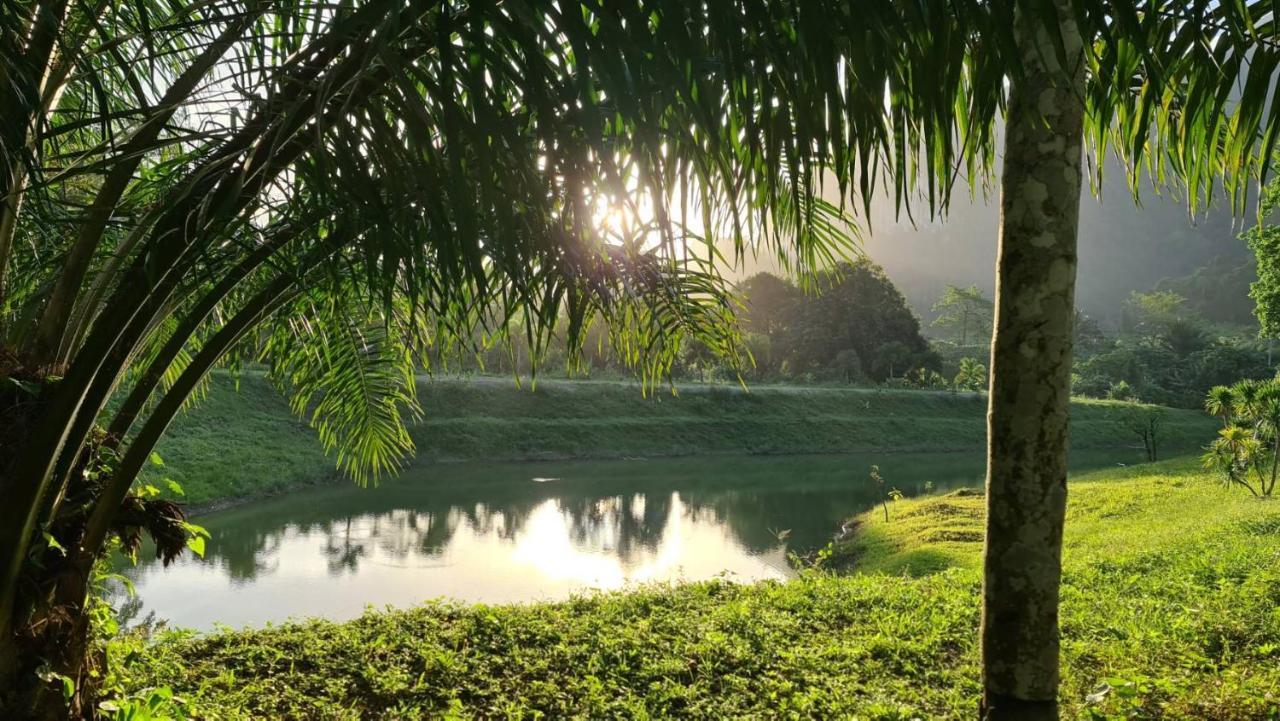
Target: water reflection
492 533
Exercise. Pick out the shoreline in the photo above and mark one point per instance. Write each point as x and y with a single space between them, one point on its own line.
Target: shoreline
334 477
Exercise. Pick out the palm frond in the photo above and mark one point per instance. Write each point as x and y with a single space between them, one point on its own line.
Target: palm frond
347 375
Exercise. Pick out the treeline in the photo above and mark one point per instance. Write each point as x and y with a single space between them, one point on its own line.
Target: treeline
1164 351
850 326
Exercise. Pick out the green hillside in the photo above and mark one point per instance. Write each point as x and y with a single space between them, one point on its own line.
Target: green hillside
246 442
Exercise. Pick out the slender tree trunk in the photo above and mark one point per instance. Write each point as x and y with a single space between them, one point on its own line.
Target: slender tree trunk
11 190
1031 373
1275 464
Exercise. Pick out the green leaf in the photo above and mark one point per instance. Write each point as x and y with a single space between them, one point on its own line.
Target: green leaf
174 487
196 544
156 460
53 543
31 389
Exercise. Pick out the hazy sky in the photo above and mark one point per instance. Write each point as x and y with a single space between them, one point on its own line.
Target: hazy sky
1123 247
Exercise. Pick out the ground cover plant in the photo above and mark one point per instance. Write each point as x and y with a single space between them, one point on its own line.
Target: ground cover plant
1170 596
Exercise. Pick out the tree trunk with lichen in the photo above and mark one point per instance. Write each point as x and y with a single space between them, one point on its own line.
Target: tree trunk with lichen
1031 371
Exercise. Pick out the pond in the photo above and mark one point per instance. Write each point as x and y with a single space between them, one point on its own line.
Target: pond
504 532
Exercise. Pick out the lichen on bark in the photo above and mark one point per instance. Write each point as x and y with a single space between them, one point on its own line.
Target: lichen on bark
1031 367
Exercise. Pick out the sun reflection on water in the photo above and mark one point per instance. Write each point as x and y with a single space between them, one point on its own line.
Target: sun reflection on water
401 557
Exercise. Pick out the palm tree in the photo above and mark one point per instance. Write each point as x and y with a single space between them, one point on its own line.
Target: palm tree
330 188
971 375
961 308
1250 438
1234 453
1220 403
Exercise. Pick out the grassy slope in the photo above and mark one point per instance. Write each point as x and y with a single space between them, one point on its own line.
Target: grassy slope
240 443
1171 584
246 443
1170 597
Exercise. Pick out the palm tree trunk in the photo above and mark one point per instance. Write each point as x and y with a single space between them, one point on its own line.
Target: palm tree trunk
65 637
1031 371
266 301
150 378
81 395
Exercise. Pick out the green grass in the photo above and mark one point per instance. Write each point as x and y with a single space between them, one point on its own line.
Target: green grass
246 443
240 443
1170 610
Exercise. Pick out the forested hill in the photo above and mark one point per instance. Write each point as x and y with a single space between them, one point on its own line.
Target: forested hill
1123 248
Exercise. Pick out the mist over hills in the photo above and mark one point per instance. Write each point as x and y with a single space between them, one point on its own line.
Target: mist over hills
1123 248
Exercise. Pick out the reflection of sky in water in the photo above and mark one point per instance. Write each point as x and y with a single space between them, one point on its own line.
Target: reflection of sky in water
490 533
373 560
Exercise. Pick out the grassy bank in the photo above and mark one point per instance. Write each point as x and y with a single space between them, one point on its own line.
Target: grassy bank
246 442
1169 611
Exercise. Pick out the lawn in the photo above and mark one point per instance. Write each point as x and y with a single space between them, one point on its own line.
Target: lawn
242 441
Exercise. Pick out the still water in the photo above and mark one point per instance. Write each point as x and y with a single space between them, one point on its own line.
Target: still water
502 532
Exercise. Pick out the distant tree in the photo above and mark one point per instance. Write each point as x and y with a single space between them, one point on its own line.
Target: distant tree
695 359
769 303
1152 313
1121 391
1147 423
1249 442
857 308
761 347
890 358
846 366
1219 289
927 379
1089 338
770 307
1174 369
972 376
964 312
1184 336
1136 418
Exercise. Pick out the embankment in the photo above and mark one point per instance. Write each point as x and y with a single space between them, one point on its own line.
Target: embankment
245 442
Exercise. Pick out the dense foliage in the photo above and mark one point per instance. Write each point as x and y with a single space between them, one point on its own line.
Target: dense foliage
847 324
1167 354
1218 291
964 313
333 187
854 326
